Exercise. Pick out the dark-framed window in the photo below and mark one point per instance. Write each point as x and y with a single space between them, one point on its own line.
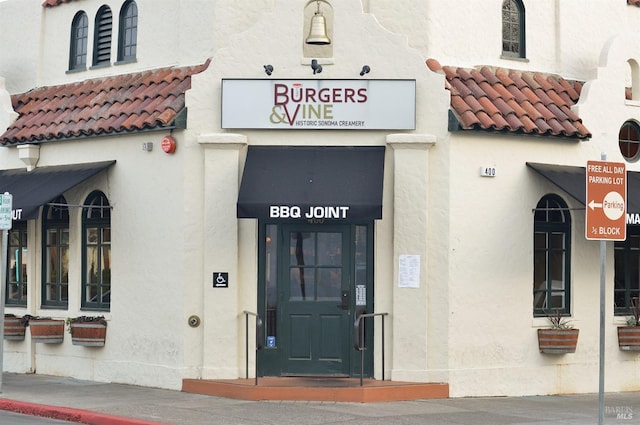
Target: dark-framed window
629 141
552 255
96 252
128 31
513 26
627 271
17 279
102 36
55 254
79 40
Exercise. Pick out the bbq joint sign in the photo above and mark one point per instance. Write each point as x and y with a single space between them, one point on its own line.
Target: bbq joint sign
606 201
319 104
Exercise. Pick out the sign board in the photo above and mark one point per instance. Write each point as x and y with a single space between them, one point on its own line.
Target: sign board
6 203
220 279
319 104
606 201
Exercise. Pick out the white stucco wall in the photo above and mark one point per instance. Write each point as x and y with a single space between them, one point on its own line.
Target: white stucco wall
469 323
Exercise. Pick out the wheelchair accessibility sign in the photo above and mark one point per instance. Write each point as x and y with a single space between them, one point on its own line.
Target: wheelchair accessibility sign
220 279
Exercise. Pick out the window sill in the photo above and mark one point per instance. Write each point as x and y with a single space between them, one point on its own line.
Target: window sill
73 71
514 58
54 307
101 65
125 61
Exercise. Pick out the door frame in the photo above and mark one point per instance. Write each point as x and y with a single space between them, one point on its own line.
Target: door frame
269 358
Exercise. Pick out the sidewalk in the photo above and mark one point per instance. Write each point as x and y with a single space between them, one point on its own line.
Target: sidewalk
114 404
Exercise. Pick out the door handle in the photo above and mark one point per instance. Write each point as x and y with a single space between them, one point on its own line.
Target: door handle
345 299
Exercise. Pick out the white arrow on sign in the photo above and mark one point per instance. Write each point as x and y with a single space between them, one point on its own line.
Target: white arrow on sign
593 205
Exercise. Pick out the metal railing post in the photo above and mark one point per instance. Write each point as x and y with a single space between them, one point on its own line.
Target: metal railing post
246 342
359 344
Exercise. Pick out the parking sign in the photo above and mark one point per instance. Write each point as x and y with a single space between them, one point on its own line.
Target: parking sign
606 208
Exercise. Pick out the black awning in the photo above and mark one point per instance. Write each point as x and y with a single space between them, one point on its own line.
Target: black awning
303 182
573 181
32 189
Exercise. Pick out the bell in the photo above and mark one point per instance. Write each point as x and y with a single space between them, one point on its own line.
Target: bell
318 30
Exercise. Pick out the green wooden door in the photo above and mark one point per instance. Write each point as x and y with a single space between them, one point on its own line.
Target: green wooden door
315 298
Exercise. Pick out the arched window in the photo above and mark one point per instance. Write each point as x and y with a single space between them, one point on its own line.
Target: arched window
629 141
16 289
513 26
96 249
551 257
55 253
102 37
79 39
128 34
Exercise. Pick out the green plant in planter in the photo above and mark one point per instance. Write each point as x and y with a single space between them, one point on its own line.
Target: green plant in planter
557 320
634 319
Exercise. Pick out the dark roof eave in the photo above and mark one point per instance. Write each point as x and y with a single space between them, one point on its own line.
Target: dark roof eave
455 126
91 136
178 123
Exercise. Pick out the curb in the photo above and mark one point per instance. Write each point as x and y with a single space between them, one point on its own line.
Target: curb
68 414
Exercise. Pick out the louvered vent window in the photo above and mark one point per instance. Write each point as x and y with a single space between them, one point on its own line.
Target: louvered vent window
102 37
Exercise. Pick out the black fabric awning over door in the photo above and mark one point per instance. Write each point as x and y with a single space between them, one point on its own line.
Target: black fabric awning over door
32 189
312 182
572 180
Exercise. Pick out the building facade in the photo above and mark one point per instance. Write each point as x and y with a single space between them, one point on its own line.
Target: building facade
181 166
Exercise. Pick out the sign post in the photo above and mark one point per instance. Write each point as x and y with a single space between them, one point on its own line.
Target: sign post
605 219
6 204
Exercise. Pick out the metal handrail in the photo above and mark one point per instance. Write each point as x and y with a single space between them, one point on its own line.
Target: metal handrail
246 341
359 340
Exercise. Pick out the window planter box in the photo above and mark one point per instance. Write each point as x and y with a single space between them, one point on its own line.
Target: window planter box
47 331
14 327
557 341
629 338
88 331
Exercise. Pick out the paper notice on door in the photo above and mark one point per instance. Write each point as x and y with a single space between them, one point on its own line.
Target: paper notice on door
409 271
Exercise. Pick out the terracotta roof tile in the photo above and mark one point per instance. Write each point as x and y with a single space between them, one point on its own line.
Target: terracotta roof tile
54 3
496 99
122 103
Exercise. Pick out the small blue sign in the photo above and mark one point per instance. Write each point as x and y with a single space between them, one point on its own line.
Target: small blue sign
271 342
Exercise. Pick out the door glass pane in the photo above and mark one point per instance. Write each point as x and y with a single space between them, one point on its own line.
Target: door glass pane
302 248
271 273
329 249
329 284
302 284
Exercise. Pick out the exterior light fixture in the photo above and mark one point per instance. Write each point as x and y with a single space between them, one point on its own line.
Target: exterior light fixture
268 69
317 68
365 70
318 28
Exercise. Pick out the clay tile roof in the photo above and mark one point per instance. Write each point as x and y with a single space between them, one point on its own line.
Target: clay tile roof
54 3
118 104
511 101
